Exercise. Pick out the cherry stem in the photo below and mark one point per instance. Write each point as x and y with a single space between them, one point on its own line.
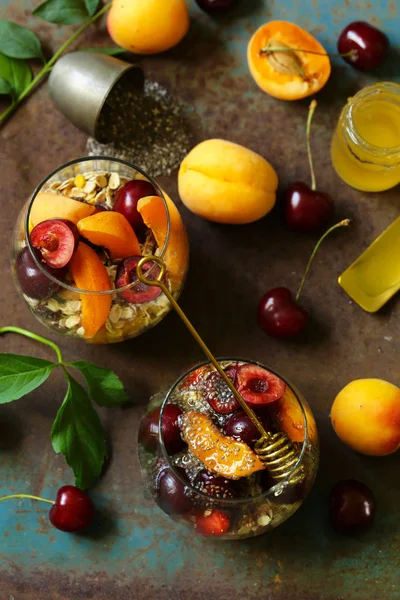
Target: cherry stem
26 496
343 223
311 111
269 50
33 336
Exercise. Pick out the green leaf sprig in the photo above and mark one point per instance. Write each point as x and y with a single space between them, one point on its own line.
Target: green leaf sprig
77 432
17 44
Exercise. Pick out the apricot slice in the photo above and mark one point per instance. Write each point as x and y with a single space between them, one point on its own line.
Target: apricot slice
176 257
286 74
111 230
218 452
54 206
289 417
89 273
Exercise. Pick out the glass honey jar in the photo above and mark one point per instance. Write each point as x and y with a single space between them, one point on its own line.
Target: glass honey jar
365 148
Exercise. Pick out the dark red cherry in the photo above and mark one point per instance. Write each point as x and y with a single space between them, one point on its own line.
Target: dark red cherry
140 292
73 510
258 386
216 392
32 280
214 485
171 434
279 315
240 427
352 507
369 43
307 210
57 240
171 495
127 199
215 6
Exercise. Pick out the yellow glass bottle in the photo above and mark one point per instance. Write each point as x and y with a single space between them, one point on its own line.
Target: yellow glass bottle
365 148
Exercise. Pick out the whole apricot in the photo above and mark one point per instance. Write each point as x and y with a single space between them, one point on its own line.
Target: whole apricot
227 183
366 416
147 26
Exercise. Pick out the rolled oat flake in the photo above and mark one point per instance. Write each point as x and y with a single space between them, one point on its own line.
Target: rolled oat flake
147 128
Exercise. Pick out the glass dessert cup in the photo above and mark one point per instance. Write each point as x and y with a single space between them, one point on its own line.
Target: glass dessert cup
196 489
96 295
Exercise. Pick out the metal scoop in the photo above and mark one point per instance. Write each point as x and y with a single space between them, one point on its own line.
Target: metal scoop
80 83
276 450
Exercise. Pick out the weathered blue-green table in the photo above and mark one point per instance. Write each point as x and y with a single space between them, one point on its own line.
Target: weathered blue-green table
136 552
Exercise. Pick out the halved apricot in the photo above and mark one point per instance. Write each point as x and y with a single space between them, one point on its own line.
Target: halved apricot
176 256
220 453
111 230
90 274
286 61
53 206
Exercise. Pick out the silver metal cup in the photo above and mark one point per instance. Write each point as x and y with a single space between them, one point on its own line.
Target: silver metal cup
81 81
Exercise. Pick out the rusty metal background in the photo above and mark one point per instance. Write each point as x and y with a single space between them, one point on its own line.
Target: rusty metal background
136 552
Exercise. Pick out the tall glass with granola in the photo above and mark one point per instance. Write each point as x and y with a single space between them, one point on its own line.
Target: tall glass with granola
78 240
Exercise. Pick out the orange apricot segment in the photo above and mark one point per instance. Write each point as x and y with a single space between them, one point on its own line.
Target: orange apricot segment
219 453
89 273
176 256
289 417
53 206
111 230
287 75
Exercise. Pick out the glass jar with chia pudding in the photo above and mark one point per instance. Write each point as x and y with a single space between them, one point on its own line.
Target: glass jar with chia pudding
198 457
77 243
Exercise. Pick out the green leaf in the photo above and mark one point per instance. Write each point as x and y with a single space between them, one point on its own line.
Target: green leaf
17 73
91 6
109 51
19 375
105 387
7 89
19 42
63 12
78 434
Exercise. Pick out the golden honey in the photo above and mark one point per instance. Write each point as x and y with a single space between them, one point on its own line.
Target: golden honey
365 148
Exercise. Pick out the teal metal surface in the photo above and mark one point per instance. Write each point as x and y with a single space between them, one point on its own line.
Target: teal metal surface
134 551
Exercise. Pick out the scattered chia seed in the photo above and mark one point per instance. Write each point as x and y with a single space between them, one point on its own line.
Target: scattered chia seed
147 128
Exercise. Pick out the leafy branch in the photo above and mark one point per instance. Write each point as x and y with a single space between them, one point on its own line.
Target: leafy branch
17 44
77 432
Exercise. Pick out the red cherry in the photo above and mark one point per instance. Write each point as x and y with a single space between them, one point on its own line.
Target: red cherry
307 210
171 434
214 485
57 240
73 510
216 392
352 507
127 274
241 427
279 315
215 6
212 523
171 494
127 199
32 280
258 386
369 43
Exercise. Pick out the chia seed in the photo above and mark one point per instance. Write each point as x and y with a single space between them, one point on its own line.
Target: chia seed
147 128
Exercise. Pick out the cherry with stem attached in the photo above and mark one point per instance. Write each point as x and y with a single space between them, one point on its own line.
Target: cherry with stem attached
306 209
360 44
279 315
72 510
